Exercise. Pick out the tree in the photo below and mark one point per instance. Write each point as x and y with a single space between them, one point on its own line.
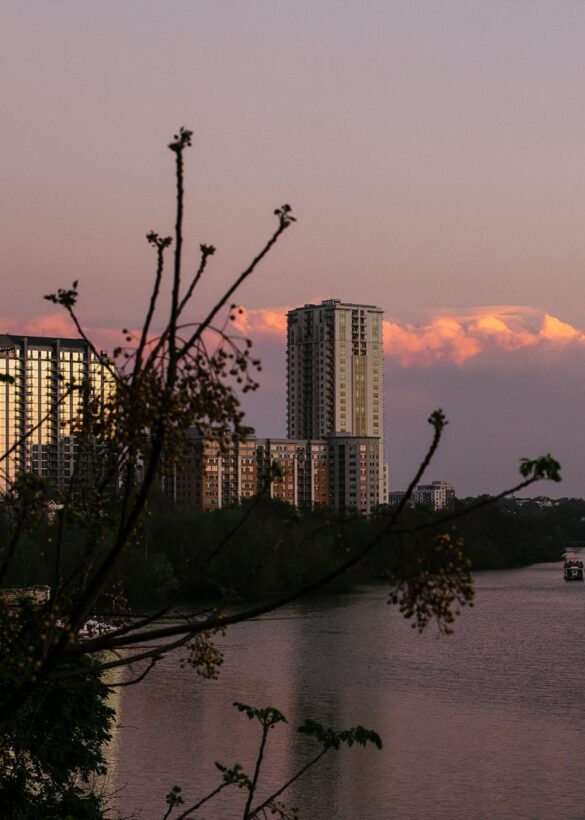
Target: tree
52 745
166 381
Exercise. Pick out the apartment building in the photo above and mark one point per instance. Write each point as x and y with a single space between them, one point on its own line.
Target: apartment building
210 474
335 378
38 411
303 467
438 495
335 373
355 473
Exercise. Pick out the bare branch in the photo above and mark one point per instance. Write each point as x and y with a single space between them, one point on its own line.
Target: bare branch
269 800
161 244
284 221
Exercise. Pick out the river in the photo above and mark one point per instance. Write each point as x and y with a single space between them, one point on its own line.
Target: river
486 723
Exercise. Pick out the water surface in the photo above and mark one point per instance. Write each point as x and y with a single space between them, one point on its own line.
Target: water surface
488 722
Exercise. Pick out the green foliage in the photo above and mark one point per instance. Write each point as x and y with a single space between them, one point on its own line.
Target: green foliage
30 490
181 140
544 467
164 383
234 776
67 297
169 556
186 375
331 739
52 747
503 535
147 575
267 717
432 580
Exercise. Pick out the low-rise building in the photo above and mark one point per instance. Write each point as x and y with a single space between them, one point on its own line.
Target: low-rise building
302 476
211 474
342 472
438 495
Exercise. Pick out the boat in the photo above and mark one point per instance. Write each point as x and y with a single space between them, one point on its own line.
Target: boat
94 628
573 570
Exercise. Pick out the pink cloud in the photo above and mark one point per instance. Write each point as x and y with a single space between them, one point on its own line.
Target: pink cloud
458 338
262 321
443 338
53 324
555 330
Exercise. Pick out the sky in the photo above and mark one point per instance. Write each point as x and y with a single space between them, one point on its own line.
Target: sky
434 155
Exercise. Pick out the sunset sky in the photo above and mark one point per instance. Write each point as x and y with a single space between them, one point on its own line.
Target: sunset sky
434 155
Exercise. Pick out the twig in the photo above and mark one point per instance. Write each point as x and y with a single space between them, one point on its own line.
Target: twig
254 812
257 767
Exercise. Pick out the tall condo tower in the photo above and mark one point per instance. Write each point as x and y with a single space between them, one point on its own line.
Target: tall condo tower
36 408
335 372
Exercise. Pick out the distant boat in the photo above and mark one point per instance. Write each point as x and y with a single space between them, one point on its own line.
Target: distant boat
94 628
573 570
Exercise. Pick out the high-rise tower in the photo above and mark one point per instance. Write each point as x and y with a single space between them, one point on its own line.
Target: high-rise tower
335 390
36 407
335 372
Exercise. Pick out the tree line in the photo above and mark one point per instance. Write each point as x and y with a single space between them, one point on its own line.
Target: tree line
270 547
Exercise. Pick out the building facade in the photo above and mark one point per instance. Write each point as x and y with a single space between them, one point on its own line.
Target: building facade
335 371
303 478
38 410
335 378
438 495
355 473
210 474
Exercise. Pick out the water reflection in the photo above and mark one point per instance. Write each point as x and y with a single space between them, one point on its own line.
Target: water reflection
485 723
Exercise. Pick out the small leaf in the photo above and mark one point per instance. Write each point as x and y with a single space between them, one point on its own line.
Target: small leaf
544 467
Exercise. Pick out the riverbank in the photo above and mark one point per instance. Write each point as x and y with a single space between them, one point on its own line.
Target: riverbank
271 548
268 547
